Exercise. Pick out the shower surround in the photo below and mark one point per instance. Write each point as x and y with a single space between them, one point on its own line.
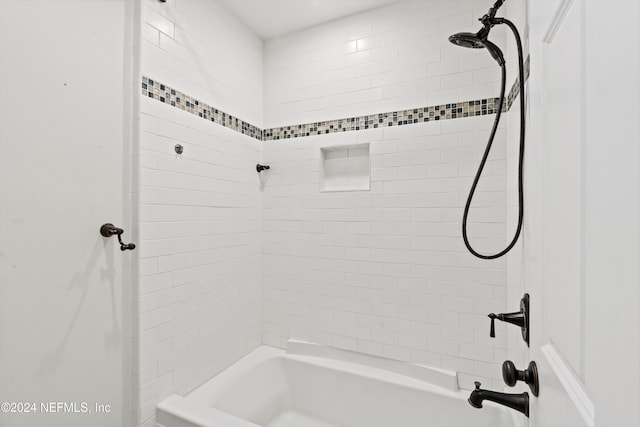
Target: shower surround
229 261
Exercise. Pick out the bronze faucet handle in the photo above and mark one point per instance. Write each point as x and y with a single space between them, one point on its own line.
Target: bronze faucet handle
492 331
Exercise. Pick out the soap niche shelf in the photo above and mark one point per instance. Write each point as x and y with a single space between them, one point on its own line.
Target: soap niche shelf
345 168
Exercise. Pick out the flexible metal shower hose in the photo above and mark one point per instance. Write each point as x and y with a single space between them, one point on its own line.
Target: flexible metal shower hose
488 150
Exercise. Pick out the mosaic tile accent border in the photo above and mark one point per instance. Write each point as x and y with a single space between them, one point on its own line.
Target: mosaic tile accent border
480 107
165 94
515 89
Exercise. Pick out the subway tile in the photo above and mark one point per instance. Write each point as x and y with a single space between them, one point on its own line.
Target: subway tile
158 21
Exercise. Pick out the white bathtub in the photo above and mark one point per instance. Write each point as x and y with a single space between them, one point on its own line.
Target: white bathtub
315 386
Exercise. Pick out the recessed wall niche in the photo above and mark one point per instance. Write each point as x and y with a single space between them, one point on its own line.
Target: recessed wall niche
345 168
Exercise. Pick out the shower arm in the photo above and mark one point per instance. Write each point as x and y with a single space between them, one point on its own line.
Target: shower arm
488 19
492 12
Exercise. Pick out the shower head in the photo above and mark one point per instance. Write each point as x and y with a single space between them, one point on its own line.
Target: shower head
478 41
471 40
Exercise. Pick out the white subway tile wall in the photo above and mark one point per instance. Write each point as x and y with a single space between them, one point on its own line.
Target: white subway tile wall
385 271
227 261
204 50
388 59
199 292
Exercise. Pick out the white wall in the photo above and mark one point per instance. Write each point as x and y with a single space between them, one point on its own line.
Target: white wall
65 161
388 59
199 296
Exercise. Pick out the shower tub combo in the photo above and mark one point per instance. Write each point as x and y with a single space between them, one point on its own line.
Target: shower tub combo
315 386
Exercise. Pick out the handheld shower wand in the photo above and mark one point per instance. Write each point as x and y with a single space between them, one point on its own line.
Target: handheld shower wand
477 41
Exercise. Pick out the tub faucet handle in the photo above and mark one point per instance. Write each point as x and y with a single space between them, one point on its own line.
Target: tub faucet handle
518 318
492 330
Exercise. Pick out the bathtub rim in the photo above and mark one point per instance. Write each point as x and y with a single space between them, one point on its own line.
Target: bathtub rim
195 409
444 378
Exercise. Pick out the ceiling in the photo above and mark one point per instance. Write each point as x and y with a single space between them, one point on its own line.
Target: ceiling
273 18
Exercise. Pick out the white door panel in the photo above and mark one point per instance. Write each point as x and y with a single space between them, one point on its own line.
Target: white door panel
583 244
563 186
570 405
555 146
